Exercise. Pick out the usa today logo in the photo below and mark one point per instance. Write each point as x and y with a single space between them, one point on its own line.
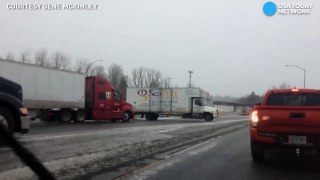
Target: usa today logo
270 8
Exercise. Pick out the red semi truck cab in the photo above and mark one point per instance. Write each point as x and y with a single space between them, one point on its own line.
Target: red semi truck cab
103 103
286 118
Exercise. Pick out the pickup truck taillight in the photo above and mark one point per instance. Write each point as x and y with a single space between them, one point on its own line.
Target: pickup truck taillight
254 118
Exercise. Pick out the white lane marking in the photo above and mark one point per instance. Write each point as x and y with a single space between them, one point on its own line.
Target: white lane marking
230 121
4 149
7 149
147 173
152 169
158 129
231 116
203 149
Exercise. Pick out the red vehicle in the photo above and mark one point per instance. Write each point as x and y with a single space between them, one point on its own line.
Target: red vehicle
102 102
285 118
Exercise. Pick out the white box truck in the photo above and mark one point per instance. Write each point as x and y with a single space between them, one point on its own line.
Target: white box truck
186 102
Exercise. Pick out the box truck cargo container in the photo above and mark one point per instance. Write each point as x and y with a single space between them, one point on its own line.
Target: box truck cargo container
65 95
186 102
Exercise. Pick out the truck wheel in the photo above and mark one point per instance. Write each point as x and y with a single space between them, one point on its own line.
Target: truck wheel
7 119
152 116
65 116
257 153
80 116
148 116
208 117
44 116
155 117
126 117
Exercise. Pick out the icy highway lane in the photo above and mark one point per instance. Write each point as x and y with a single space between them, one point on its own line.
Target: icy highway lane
170 148
228 158
110 150
50 128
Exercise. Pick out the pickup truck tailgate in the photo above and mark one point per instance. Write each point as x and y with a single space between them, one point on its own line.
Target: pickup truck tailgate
293 120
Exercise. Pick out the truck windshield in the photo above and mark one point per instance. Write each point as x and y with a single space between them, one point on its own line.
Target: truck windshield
290 99
207 102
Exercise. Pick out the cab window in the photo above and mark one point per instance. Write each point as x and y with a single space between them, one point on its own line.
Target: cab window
102 96
117 96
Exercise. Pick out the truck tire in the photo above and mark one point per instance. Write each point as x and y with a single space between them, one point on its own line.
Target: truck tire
155 116
65 116
126 117
7 119
257 152
148 116
208 117
79 116
44 116
152 116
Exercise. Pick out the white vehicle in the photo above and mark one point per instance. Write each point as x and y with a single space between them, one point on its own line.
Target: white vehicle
186 102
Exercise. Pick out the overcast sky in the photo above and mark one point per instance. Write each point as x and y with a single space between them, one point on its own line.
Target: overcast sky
231 46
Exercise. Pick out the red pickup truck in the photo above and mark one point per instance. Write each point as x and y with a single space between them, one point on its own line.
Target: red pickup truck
285 118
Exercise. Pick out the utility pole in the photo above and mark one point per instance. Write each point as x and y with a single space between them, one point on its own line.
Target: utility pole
190 73
169 81
304 73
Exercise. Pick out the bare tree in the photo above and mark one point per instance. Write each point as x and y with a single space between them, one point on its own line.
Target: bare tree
86 67
138 77
89 69
153 78
60 60
81 65
24 56
115 73
41 57
282 86
56 60
166 82
66 62
153 84
10 56
147 77
98 71
250 99
285 86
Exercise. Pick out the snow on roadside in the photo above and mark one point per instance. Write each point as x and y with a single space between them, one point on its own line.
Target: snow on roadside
79 153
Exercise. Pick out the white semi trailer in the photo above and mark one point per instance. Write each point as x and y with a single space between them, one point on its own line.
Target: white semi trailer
47 89
185 102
